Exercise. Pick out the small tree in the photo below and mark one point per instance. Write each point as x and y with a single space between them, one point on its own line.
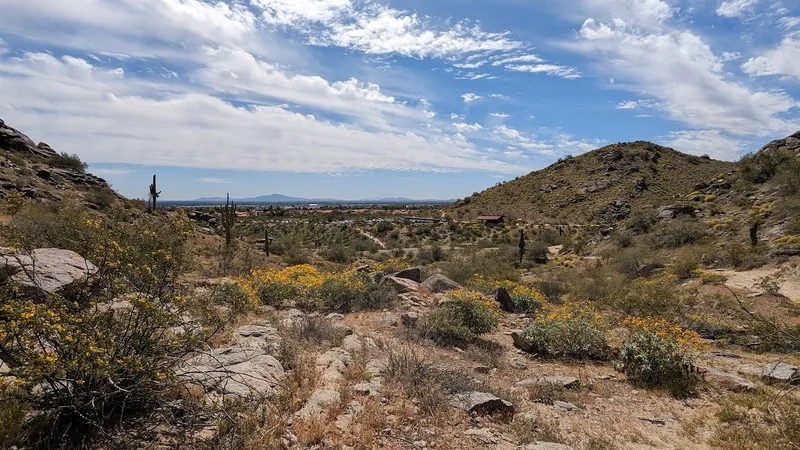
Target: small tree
153 195
228 219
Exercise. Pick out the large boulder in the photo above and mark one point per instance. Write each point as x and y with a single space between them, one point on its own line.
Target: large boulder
47 270
258 336
439 283
234 371
504 299
481 403
399 285
673 211
413 274
781 373
727 381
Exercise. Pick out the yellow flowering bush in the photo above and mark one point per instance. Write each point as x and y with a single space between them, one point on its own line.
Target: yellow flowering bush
659 353
524 298
572 331
82 365
311 289
465 315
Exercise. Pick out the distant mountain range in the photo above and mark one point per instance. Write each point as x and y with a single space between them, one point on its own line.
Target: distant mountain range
280 198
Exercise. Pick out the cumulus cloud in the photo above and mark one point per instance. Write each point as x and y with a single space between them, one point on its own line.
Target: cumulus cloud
706 142
465 127
500 115
470 97
782 60
684 76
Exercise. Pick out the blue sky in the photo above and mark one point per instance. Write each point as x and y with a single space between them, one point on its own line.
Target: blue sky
363 98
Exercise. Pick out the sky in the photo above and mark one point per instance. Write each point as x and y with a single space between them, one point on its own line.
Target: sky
373 98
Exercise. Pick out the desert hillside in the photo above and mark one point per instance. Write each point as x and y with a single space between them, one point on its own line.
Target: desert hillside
671 322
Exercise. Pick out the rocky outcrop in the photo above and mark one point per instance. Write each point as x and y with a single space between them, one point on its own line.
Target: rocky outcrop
673 211
791 142
13 140
413 274
727 381
781 373
616 211
563 381
399 285
234 371
46 270
504 299
481 403
439 283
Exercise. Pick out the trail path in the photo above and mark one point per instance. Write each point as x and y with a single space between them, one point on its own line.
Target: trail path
374 239
749 280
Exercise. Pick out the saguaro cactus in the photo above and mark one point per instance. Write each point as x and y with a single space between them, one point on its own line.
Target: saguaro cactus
266 240
228 219
521 245
153 194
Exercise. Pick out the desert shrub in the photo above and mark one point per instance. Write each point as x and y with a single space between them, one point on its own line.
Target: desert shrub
570 332
641 222
707 277
524 298
660 354
623 238
685 263
339 253
12 415
741 256
496 264
637 262
235 296
464 316
537 252
84 368
384 227
678 232
430 255
68 161
653 297
101 197
291 250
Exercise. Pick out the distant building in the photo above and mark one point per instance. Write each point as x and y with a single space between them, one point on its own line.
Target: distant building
421 220
491 220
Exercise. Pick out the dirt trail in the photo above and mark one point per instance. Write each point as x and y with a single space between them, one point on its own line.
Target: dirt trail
374 239
750 279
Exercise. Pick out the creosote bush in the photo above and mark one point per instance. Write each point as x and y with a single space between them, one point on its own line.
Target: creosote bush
464 316
571 332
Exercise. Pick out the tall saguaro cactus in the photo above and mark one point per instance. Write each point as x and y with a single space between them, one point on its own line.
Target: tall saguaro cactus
266 240
153 194
228 219
521 245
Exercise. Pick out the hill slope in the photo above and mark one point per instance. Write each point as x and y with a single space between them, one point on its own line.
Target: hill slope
602 185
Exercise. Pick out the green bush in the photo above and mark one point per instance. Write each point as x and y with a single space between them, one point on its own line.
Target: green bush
339 253
679 232
460 320
233 296
648 359
570 333
67 161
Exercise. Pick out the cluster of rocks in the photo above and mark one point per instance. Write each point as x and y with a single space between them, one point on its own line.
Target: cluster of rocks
15 141
670 212
45 270
791 142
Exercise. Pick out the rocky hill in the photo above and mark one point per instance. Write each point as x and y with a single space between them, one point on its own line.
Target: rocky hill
38 172
604 185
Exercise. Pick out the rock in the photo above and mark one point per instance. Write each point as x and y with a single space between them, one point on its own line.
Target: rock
617 210
400 285
565 406
332 365
258 336
439 283
591 188
727 381
413 274
520 342
116 306
781 373
352 343
640 184
482 435
566 382
504 299
723 355
673 211
363 268
48 270
547 446
369 389
659 420
44 174
525 419
483 369
335 316
753 370
234 371
409 319
318 404
481 403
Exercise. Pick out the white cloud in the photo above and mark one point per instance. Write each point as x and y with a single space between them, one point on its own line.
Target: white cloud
644 13
105 172
510 134
643 116
736 8
454 116
628 105
783 60
684 76
518 59
465 127
787 23
500 115
476 65
215 180
69 104
730 56
499 96
569 73
470 97
705 142
636 104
